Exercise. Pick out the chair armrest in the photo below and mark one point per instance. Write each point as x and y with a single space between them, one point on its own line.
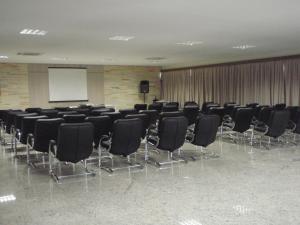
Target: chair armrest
52 147
30 140
262 128
292 126
105 141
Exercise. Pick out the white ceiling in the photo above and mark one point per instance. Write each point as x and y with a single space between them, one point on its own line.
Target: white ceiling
79 30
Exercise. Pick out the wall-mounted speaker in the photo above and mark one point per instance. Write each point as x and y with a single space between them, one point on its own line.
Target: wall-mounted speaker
144 86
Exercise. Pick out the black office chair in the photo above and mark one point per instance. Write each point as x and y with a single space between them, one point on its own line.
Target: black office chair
33 110
145 120
125 112
170 137
275 127
74 118
61 114
252 105
113 117
280 106
220 111
155 106
204 132
50 113
229 107
170 108
204 106
191 112
45 130
98 112
121 142
191 103
102 125
84 110
74 144
139 107
62 109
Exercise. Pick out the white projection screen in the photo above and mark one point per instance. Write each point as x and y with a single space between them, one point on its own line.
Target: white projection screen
67 84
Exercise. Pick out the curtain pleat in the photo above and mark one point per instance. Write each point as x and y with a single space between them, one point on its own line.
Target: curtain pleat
263 82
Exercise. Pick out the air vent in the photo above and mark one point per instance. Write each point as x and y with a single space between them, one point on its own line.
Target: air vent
155 58
29 53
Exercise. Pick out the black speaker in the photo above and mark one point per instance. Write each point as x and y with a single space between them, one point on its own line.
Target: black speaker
144 86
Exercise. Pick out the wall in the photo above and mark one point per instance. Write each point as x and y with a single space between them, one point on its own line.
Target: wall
13 86
122 85
26 85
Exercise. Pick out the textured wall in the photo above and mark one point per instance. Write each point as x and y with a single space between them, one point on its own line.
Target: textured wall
13 86
121 85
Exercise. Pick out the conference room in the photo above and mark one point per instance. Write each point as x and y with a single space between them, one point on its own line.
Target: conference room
149 112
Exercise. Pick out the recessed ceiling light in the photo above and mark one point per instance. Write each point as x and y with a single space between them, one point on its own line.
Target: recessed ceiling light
34 32
59 58
3 57
121 38
7 198
190 222
244 47
190 43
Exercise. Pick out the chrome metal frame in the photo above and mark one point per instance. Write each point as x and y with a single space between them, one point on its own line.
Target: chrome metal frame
104 153
59 177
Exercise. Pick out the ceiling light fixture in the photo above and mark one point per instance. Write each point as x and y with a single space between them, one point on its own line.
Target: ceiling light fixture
7 198
3 57
243 47
190 222
34 32
190 43
121 38
59 58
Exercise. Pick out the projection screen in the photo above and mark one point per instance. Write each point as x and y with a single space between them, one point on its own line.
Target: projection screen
67 84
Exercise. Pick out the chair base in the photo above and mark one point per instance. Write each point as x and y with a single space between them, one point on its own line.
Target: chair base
58 178
112 168
171 159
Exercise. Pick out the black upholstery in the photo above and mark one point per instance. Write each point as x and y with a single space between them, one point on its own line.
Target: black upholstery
277 123
294 115
45 130
50 113
234 111
191 112
101 127
264 114
152 114
74 141
33 110
62 113
243 118
74 118
125 112
171 133
297 130
98 112
257 110
139 107
280 106
173 104
62 109
170 108
205 130
113 117
169 114
28 125
85 110
220 111
10 118
19 118
191 103
155 106
123 142
204 106
252 105
145 120
229 107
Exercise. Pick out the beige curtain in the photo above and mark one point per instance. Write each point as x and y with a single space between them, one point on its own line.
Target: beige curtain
267 82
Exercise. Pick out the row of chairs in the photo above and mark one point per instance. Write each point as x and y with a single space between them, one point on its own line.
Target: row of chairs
73 140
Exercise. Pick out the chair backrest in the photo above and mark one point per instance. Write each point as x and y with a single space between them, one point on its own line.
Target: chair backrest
297 130
33 110
278 122
204 106
172 132
169 114
152 114
62 113
170 108
85 111
62 109
98 112
294 115
211 105
139 107
10 118
191 103
124 142
243 118
257 110
191 112
101 127
19 117
44 131
229 107
145 120
252 105
173 104
74 141
280 106
28 125
155 106
113 117
74 118
125 112
220 111
50 113
206 129
234 111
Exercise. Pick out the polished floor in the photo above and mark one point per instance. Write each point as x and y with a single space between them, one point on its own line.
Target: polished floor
244 186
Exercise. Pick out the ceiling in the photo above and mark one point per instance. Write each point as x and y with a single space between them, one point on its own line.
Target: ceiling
79 31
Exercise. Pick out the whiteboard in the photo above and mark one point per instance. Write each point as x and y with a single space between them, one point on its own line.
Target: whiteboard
67 84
